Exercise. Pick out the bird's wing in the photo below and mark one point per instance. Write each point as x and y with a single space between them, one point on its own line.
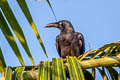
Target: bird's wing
81 42
58 46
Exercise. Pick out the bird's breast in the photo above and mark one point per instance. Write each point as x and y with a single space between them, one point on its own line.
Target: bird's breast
65 40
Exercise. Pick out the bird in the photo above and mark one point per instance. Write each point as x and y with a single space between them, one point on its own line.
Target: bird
68 42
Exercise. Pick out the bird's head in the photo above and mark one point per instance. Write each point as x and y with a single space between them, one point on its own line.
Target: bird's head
63 25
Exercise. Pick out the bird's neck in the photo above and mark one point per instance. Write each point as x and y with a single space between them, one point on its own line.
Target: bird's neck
67 31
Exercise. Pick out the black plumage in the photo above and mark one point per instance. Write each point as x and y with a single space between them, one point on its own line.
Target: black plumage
68 42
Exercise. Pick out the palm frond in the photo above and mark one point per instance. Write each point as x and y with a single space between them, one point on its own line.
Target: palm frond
18 74
74 69
2 63
112 49
15 26
103 74
8 74
58 70
113 73
93 73
88 75
27 14
44 70
10 38
30 75
51 9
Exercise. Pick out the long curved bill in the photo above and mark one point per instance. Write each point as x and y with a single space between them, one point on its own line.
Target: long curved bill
55 24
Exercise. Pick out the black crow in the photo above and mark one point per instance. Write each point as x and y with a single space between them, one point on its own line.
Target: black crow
68 42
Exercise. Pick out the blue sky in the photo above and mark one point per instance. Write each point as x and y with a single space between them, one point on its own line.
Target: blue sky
98 20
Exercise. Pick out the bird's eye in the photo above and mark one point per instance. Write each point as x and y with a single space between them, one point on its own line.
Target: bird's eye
60 23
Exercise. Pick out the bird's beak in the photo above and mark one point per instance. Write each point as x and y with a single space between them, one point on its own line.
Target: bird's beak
55 24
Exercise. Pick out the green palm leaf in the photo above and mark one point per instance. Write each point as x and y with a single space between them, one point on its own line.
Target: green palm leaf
107 50
30 75
18 74
101 50
113 73
103 74
51 9
44 70
8 74
58 71
10 38
15 26
88 75
2 63
93 72
75 69
26 12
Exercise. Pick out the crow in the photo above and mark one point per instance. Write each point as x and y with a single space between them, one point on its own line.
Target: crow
68 42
